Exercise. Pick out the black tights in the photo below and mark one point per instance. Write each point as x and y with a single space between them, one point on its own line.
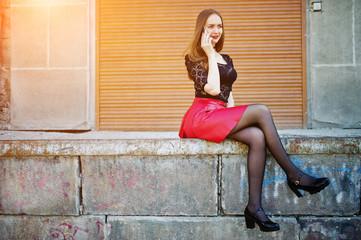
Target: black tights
257 130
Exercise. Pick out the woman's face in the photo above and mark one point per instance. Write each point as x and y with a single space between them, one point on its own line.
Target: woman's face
214 27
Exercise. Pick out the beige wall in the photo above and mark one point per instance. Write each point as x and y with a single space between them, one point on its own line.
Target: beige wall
50 64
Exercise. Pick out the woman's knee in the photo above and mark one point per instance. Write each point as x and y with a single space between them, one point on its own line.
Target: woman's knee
263 109
257 137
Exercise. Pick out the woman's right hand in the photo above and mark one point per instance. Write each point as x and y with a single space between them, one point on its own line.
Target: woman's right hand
206 44
213 79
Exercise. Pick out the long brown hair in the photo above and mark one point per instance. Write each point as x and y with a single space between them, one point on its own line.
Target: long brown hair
194 49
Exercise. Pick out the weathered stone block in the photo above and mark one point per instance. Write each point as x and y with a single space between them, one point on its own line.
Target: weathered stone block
168 185
330 228
4 114
49 99
29 36
5 54
331 39
4 98
195 228
342 197
68 36
5 84
39 185
35 227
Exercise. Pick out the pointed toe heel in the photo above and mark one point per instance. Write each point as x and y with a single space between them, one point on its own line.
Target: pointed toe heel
318 185
264 226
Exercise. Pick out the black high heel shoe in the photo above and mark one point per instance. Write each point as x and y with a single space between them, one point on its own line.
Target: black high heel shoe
318 185
265 226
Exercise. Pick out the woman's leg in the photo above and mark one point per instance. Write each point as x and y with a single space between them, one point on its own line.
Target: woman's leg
256 161
258 115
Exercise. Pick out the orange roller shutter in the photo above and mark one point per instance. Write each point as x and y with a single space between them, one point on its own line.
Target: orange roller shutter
142 83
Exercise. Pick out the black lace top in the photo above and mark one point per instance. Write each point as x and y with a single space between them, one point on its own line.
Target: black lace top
227 77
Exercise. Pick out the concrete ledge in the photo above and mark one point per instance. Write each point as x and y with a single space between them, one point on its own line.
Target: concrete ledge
75 145
47 135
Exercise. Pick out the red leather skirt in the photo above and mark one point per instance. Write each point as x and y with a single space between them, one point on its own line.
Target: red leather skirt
210 119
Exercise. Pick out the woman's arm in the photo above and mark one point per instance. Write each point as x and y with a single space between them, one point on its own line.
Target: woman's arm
230 100
213 80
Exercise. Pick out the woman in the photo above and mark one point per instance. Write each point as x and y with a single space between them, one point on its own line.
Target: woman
213 117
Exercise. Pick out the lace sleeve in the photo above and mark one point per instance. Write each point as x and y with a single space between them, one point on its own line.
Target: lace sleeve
197 73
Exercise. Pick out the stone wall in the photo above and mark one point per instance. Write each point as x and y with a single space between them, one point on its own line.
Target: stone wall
49 64
334 65
170 189
4 63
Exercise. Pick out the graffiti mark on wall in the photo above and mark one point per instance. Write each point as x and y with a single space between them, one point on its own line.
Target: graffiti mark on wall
67 230
27 185
128 180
